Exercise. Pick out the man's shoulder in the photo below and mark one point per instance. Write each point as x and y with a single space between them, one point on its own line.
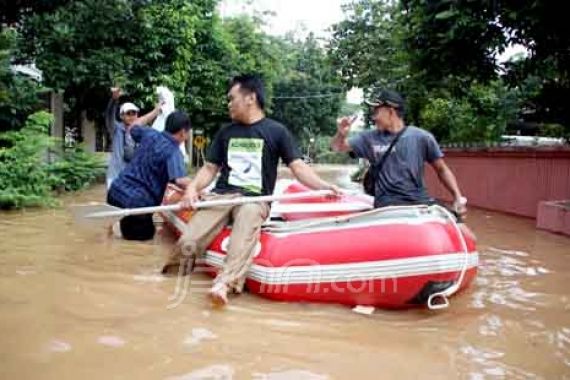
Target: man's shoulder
369 134
144 131
272 128
418 132
119 125
271 123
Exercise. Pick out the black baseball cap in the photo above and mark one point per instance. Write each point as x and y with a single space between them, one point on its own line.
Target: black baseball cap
386 98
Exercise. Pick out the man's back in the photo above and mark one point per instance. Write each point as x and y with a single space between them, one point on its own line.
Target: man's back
157 161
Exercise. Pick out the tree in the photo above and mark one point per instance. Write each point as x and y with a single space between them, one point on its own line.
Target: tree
19 95
135 44
448 47
14 10
543 30
368 50
367 46
309 97
451 43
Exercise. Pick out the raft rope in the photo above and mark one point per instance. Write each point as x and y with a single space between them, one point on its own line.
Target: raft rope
276 227
436 301
439 300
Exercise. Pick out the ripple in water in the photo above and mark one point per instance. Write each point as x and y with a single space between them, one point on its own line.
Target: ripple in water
57 345
215 372
199 334
500 281
111 341
291 374
490 364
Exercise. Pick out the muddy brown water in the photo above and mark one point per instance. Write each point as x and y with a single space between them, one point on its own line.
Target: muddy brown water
75 304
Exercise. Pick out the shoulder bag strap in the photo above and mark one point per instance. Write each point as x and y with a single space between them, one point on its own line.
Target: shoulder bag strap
378 167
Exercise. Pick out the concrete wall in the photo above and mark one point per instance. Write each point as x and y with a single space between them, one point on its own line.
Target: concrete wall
512 180
56 108
89 134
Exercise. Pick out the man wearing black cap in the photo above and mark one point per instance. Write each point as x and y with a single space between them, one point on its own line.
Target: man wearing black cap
398 177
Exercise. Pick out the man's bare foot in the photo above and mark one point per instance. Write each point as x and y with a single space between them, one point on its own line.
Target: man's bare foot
114 230
219 294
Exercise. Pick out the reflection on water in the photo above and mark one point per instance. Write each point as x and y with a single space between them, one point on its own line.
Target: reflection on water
77 304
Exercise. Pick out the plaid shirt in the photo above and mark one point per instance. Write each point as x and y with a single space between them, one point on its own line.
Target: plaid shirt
157 161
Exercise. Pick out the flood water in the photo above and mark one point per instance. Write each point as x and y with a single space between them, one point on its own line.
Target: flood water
76 304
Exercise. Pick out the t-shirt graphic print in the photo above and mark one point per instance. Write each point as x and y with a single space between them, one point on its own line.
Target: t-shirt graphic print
244 161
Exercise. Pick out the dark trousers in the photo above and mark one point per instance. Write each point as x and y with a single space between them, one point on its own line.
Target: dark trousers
134 227
137 227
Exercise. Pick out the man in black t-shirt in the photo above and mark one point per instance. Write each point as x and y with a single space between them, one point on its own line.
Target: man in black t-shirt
246 153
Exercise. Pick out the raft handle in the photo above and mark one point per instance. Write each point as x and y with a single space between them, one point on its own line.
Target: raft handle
437 301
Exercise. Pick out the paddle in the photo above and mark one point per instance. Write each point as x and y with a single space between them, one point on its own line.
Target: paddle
98 211
319 208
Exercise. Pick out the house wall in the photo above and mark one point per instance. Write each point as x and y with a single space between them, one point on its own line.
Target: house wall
511 180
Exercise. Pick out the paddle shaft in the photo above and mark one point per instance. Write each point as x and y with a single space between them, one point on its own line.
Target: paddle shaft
212 203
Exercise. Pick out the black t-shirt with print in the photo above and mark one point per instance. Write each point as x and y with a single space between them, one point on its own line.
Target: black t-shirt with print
248 156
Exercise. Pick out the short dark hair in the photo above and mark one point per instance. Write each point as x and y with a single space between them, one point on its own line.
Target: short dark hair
251 83
177 121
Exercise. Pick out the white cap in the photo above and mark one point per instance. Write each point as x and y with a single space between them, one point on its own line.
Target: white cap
126 107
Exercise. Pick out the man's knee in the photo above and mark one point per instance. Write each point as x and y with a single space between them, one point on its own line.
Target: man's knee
188 247
253 212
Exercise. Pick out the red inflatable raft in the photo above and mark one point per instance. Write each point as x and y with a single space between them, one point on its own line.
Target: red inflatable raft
393 257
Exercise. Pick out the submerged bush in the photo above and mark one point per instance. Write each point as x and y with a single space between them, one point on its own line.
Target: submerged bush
75 170
28 179
25 180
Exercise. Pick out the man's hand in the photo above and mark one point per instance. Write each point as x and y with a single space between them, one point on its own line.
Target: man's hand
158 107
337 192
190 197
116 92
344 124
460 206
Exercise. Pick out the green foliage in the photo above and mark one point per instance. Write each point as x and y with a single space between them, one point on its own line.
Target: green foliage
450 40
553 130
323 154
367 47
309 96
428 49
543 30
19 95
479 116
228 48
25 182
14 10
138 45
86 46
28 179
75 170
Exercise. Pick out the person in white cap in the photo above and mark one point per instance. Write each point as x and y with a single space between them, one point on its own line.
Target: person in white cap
123 145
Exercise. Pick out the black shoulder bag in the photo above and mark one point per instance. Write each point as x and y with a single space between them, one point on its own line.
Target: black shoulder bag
369 179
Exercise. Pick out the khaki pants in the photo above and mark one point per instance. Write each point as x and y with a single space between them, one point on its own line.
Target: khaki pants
203 227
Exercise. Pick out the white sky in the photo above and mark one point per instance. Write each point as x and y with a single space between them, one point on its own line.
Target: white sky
314 15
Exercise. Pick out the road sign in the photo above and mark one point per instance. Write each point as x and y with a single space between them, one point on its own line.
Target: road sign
200 142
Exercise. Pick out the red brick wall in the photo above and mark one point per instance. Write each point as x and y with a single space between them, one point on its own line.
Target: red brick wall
512 180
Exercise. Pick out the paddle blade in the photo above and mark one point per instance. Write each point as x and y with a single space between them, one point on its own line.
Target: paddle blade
88 213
